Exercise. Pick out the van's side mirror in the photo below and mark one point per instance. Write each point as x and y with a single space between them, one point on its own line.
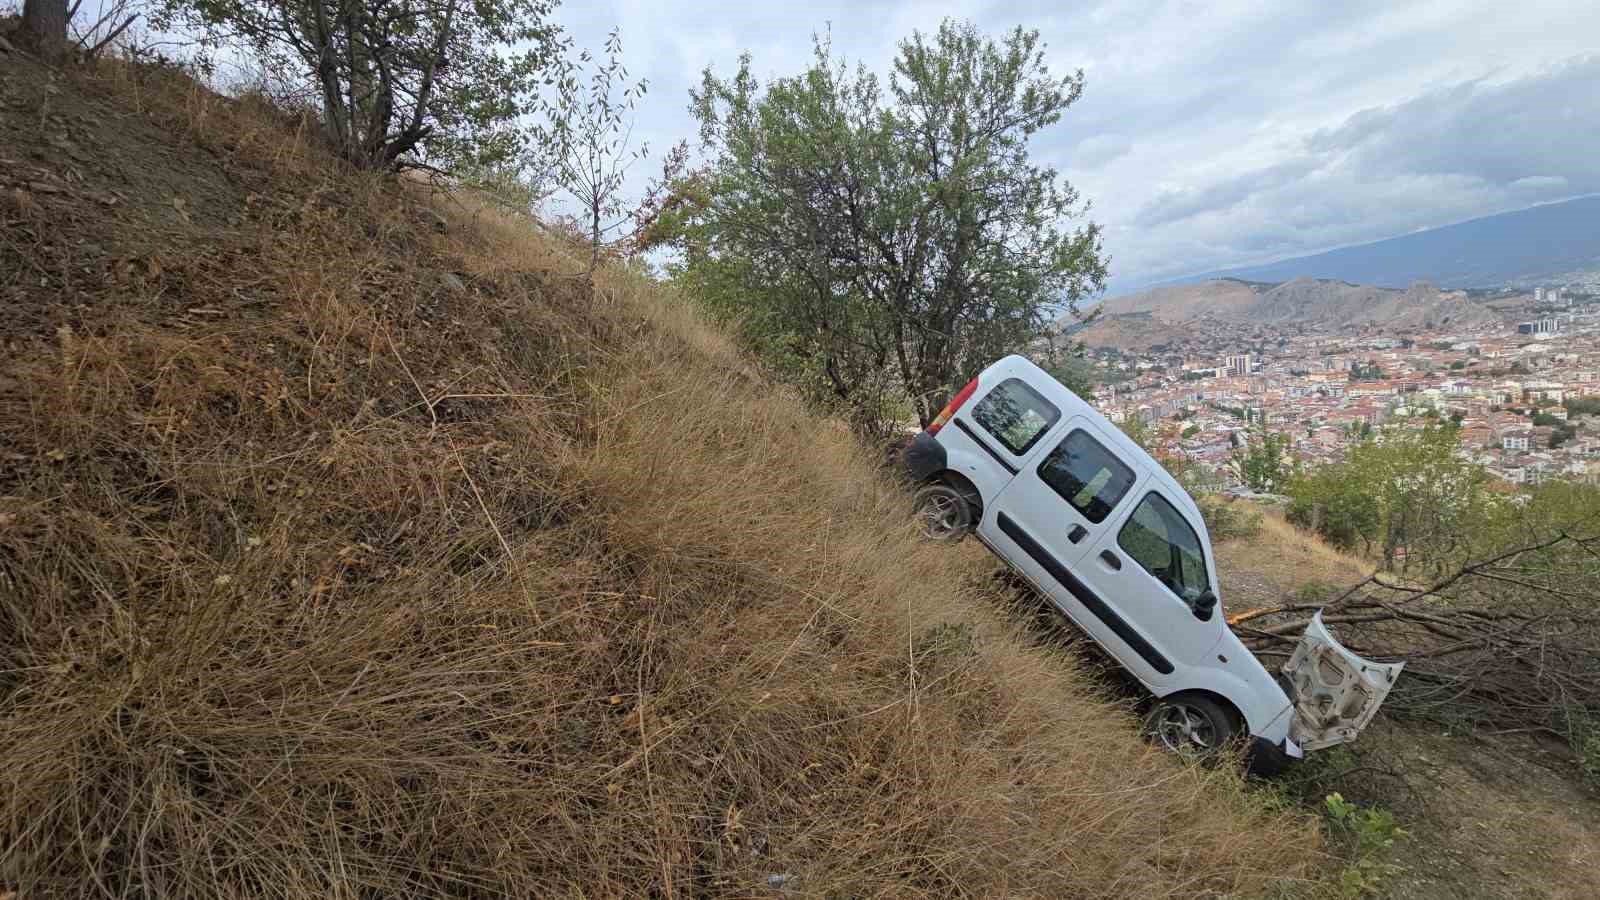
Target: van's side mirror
1204 605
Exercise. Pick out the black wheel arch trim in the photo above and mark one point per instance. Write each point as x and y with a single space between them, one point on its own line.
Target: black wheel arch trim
1085 595
923 458
1266 759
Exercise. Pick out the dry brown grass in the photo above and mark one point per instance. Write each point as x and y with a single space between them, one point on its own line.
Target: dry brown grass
363 587
1287 559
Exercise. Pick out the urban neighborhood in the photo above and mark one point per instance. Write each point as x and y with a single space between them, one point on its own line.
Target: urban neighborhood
1519 389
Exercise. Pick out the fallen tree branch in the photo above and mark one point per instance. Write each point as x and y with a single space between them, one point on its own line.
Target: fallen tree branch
1512 640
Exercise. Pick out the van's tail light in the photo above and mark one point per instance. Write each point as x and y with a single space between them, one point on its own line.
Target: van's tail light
962 396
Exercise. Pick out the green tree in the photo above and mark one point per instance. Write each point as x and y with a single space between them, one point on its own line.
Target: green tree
1075 372
1406 490
1140 432
1263 463
445 80
1366 372
870 239
585 139
1583 406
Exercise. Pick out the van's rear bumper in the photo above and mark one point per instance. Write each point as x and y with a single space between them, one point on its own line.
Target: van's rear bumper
923 458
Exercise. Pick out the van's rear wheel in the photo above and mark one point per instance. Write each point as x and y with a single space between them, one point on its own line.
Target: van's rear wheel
1190 724
945 513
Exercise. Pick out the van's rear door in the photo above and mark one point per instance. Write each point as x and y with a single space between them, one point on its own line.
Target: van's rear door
1006 422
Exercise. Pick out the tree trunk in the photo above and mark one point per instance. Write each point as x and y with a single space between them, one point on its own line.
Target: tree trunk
45 24
594 235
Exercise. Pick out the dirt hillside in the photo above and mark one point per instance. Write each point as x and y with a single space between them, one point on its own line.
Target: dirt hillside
349 548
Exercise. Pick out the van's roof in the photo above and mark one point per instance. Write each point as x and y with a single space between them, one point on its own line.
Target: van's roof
1071 404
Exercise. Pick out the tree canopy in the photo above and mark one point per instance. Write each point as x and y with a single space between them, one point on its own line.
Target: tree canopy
881 243
444 80
1404 494
1264 462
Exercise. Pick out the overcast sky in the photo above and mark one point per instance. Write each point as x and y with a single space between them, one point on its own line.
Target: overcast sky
1225 133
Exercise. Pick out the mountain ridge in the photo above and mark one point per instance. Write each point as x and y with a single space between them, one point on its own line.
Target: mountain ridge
1153 317
1551 241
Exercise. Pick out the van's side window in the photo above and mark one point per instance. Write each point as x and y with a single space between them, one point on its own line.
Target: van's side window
1015 414
1086 475
1161 540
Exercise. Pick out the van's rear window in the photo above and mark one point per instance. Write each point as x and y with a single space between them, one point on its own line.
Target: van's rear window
1086 475
1015 414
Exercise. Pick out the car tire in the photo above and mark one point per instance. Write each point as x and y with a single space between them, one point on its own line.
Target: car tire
944 512
1193 725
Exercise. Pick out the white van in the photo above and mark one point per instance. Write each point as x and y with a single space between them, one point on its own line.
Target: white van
1061 494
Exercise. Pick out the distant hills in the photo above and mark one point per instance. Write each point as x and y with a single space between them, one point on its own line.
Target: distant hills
1522 248
1173 314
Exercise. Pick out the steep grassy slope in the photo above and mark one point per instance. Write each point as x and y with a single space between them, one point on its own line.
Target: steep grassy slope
347 550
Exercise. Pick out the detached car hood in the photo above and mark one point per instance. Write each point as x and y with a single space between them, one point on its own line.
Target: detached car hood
1335 692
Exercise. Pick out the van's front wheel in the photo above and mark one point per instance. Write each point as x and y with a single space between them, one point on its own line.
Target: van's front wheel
944 512
1190 724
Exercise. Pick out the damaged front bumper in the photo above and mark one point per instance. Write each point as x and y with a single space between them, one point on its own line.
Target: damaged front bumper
1266 758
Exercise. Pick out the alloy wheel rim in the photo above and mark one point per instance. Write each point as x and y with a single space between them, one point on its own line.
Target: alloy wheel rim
1183 728
941 516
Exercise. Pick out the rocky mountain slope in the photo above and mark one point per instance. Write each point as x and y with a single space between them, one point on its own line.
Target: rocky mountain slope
1340 304
1156 316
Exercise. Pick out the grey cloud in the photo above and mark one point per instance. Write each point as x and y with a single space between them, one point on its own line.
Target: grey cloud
1538 125
1094 152
1454 152
1217 135
1176 205
1541 182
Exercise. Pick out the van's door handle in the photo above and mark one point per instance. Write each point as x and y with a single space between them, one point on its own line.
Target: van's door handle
1077 533
1111 559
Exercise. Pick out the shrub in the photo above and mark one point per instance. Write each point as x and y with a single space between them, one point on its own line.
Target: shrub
1228 521
1372 832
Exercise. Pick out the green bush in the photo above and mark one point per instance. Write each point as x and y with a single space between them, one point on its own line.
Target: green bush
1404 494
1227 521
1372 832
1315 592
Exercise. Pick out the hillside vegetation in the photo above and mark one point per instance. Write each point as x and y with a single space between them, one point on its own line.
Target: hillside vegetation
349 547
